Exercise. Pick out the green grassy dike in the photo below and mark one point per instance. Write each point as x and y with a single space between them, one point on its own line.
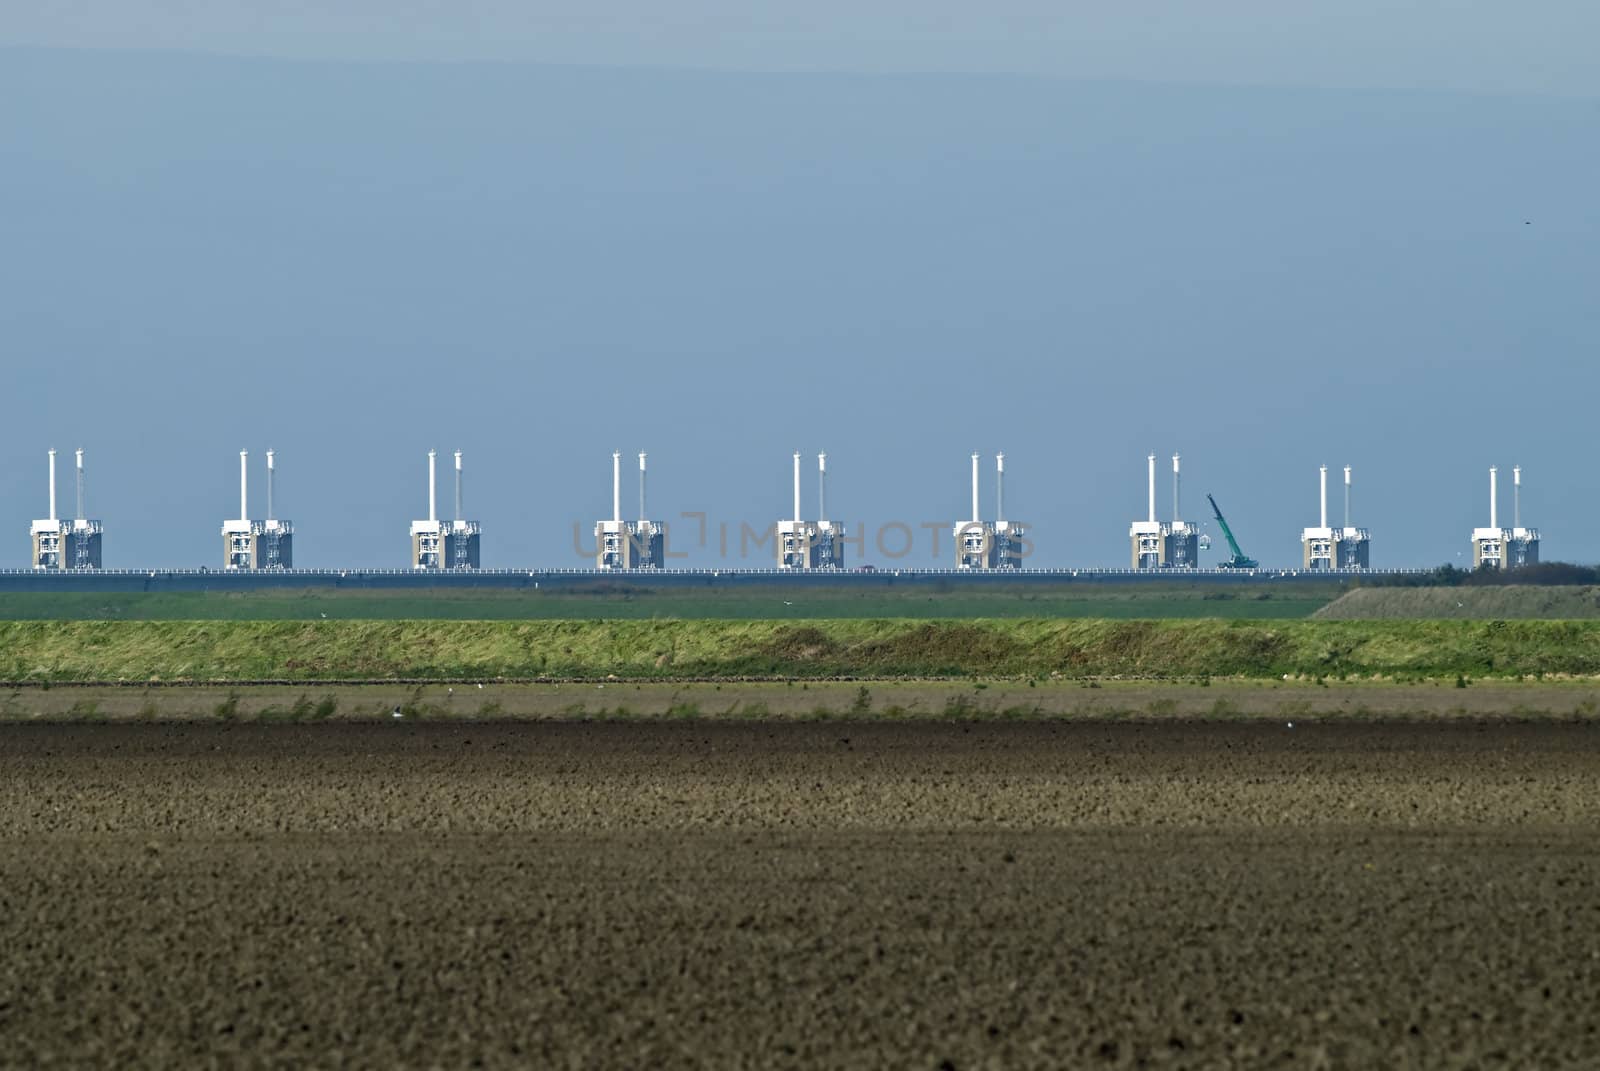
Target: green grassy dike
142 651
621 600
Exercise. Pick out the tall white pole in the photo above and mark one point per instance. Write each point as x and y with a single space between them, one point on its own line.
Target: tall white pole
975 515
642 514
822 486
1494 514
616 486
81 513
999 488
271 479
1323 523
1152 460
458 485
433 488
1176 477
1347 496
1516 496
244 485
52 485
797 487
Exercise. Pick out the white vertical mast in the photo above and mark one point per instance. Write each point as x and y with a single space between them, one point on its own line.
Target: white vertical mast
271 478
433 490
822 486
1347 496
999 488
642 514
616 486
52 485
797 487
1323 523
1152 461
81 513
975 514
1176 477
244 485
1494 512
1516 496
458 485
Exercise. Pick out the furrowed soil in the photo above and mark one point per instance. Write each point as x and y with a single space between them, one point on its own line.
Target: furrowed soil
842 894
1221 700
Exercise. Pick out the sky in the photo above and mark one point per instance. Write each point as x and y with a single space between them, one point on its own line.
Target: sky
1267 241
1538 46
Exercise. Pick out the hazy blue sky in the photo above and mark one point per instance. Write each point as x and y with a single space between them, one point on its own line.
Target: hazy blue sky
353 258
1533 46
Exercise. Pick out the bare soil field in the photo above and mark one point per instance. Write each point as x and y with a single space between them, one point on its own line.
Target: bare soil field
841 893
1218 700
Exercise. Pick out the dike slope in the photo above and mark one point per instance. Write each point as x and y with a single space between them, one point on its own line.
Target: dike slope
141 651
1509 602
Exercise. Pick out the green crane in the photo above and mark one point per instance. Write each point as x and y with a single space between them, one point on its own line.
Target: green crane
1238 561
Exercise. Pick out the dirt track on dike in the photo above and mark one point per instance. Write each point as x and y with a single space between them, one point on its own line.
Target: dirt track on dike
816 894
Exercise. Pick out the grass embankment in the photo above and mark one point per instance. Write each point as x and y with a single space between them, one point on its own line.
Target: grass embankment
1474 603
639 601
706 650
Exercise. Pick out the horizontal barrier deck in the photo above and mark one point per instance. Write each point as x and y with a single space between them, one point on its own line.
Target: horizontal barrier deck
578 580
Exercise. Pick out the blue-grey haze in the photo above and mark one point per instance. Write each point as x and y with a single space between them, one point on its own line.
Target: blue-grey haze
1533 46
352 262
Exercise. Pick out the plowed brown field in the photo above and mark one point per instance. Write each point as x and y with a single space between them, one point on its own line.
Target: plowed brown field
800 894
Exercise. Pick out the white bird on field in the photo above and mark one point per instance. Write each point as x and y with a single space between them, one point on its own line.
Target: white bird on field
397 713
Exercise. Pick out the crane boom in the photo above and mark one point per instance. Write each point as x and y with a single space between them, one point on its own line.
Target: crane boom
1238 561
